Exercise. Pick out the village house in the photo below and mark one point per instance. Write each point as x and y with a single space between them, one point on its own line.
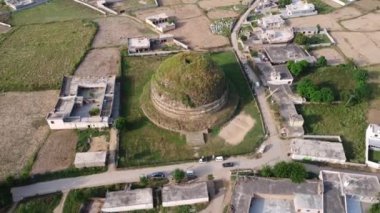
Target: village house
299 9
271 21
161 22
84 102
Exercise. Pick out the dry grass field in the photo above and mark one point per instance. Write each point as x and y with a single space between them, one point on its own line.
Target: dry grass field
366 5
180 12
57 153
368 22
169 2
218 13
210 4
100 62
333 57
32 55
23 128
363 48
114 31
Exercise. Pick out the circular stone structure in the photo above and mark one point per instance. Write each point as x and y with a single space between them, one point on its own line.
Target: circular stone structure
188 92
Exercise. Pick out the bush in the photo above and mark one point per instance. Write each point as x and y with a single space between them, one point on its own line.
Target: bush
243 38
283 3
293 170
94 111
321 62
266 171
307 89
301 39
375 208
121 123
144 181
178 175
296 68
327 95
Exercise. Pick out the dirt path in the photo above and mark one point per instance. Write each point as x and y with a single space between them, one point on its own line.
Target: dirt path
59 208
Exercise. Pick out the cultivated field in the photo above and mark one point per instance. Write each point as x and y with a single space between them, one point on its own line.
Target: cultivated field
193 28
23 128
333 57
114 31
52 11
218 13
37 56
210 4
132 5
57 153
100 62
363 48
368 22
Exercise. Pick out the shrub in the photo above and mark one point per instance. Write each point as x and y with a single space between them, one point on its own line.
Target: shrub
178 175
121 123
94 111
210 177
266 171
144 181
293 170
243 38
281 170
296 68
301 39
375 208
327 95
321 62
283 3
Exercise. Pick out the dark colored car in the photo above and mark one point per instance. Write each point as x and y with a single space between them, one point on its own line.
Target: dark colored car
157 175
228 164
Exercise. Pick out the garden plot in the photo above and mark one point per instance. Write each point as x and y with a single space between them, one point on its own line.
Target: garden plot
363 48
115 31
369 22
210 4
23 128
100 62
57 153
333 57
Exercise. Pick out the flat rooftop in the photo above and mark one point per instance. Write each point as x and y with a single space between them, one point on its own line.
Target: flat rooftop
308 201
157 16
90 157
128 198
279 54
267 68
140 42
245 190
172 193
265 205
318 149
360 185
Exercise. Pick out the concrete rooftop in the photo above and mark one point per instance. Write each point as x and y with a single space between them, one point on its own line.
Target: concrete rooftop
128 198
184 192
319 149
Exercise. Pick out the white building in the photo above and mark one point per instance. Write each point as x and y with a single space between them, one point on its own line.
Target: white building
22 4
315 150
90 159
161 22
177 195
128 200
136 45
372 144
271 21
299 9
84 102
308 203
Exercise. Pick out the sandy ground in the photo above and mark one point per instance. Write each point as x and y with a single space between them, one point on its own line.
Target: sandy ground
57 153
98 144
180 12
100 62
333 57
217 14
23 128
362 47
209 4
367 5
235 131
369 22
114 31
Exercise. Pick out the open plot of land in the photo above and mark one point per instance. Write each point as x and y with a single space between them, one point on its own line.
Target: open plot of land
53 10
333 57
178 11
38 56
210 4
23 128
98 144
235 130
331 3
115 31
100 62
373 115
218 13
363 48
131 5
144 143
57 153
169 2
367 5
345 13
368 22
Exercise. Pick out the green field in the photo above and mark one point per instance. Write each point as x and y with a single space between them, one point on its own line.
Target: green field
145 144
35 57
52 11
322 7
46 203
337 119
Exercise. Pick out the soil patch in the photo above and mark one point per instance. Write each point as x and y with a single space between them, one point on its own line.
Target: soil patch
363 48
367 5
23 128
217 14
209 4
100 62
98 144
57 153
115 31
333 57
369 22
180 12
235 131
168 2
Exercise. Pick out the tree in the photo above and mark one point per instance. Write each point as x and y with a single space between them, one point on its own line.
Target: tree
321 61
266 171
144 180
375 208
283 3
316 96
178 175
281 170
363 90
296 68
305 88
298 172
327 95
301 39
121 123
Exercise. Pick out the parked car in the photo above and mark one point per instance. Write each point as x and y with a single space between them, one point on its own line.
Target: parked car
157 175
228 164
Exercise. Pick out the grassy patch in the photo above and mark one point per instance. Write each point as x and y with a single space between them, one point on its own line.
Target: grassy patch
52 11
85 135
337 119
45 203
36 57
322 7
145 144
78 197
374 156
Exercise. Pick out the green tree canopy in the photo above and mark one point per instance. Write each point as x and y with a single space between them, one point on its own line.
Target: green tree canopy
178 175
283 3
321 61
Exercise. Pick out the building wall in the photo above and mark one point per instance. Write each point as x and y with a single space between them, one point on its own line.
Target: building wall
59 124
318 159
185 202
